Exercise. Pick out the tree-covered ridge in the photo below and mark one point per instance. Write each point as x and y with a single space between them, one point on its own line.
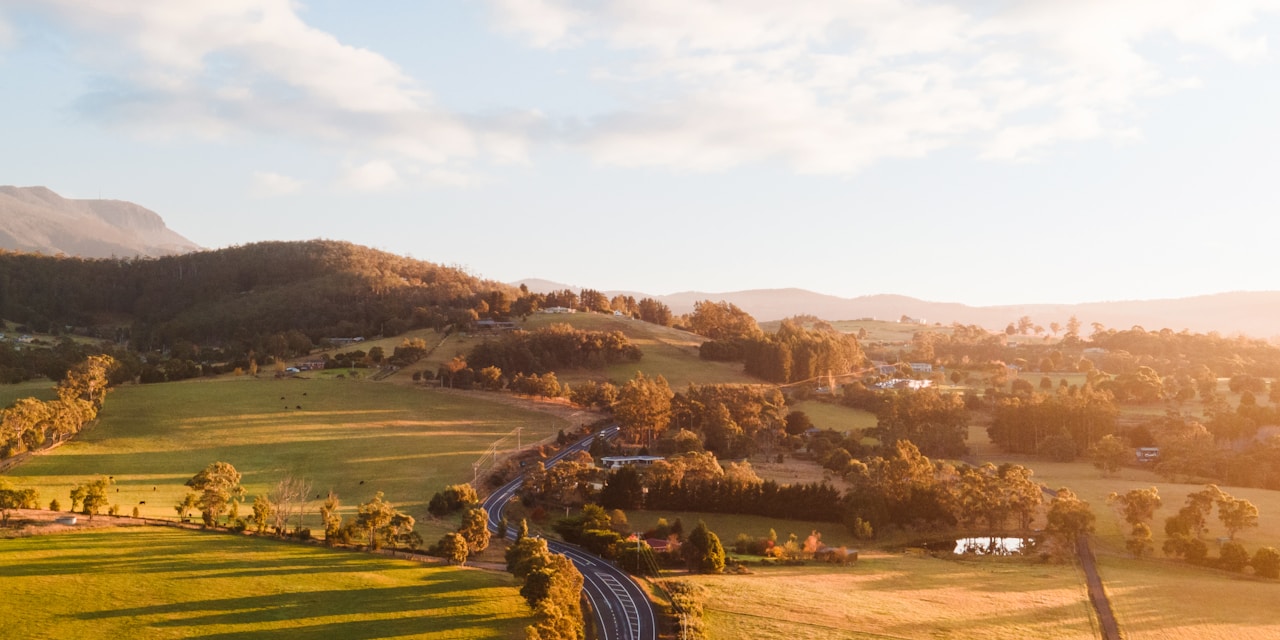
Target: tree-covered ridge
557 347
319 287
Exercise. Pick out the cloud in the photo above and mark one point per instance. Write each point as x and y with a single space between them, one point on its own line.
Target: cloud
833 86
544 23
6 34
248 68
374 175
267 184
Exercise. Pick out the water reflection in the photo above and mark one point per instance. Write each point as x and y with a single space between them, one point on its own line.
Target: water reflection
994 546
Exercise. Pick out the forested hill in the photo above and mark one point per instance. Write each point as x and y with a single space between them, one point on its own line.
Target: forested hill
322 288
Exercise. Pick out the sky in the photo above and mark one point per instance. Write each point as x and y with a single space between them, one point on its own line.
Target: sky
983 152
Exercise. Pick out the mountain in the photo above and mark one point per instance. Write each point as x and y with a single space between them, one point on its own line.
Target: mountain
1251 313
37 220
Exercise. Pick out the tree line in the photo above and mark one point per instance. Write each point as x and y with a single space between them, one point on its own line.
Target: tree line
28 424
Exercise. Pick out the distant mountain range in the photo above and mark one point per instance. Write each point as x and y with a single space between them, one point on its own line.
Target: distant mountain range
37 220
1250 313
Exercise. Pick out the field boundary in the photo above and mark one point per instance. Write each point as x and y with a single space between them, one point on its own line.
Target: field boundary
1097 592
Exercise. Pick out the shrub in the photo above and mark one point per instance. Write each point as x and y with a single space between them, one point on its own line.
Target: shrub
1266 562
1233 556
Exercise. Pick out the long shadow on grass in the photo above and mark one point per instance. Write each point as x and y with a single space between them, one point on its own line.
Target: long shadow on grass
1027 620
368 629
167 554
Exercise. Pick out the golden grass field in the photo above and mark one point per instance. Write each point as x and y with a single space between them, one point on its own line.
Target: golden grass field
900 596
354 437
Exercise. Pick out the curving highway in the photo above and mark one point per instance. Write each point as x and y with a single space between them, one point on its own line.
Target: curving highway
622 609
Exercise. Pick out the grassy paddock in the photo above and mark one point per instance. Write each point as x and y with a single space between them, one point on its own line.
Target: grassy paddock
901 597
353 437
728 526
827 415
668 352
1160 598
42 389
150 582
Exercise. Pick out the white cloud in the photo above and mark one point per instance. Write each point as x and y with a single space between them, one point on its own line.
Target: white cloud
832 86
545 23
268 184
374 175
7 36
254 68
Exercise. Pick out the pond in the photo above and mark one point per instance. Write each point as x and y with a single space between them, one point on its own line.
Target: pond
992 546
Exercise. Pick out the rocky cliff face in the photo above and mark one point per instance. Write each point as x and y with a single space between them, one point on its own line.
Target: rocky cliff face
35 219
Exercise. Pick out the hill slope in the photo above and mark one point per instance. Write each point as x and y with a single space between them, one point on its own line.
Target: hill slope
35 219
242 293
1246 312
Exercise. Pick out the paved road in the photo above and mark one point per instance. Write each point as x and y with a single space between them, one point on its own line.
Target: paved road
622 610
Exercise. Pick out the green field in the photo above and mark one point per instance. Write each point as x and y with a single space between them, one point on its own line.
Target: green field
900 596
353 437
42 389
727 526
826 415
153 582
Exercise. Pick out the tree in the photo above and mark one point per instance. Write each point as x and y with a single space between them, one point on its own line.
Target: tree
331 518
1266 562
643 407
183 508
374 518
1236 514
289 495
453 547
11 499
798 422
703 551
218 489
1139 541
1109 454
92 496
622 489
1137 506
1069 518
1233 557
722 321
475 530
262 511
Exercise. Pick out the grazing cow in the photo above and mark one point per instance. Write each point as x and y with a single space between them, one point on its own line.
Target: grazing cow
298 407
142 502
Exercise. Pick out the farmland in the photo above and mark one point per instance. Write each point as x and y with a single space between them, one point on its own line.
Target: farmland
158 582
352 437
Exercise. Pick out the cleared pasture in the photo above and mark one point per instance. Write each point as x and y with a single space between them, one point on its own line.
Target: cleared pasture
1160 598
353 437
154 582
900 596
668 352
827 415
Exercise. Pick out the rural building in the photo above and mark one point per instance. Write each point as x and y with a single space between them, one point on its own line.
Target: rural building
617 462
342 342
1147 454
493 325
921 367
903 383
557 310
